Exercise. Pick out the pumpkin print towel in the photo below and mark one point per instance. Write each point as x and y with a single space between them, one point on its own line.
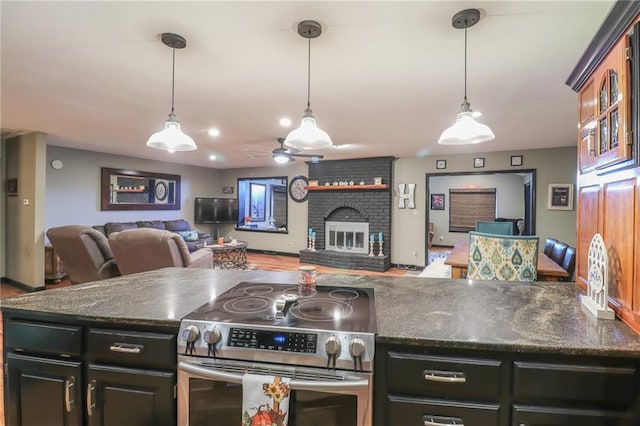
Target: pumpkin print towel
265 400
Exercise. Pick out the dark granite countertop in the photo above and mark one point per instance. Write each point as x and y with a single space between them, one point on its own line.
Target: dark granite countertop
538 317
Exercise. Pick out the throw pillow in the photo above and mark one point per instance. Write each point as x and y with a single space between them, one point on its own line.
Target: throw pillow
189 235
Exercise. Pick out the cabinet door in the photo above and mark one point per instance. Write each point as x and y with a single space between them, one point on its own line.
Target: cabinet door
551 416
613 127
588 214
43 391
586 130
120 396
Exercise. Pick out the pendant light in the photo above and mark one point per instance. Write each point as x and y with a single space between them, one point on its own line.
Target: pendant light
308 135
466 130
171 138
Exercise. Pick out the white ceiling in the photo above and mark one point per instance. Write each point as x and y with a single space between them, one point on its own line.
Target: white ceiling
386 77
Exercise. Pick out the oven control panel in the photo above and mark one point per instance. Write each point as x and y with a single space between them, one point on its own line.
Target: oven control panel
272 340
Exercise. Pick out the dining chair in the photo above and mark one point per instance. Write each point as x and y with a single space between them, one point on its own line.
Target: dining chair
496 228
502 257
548 245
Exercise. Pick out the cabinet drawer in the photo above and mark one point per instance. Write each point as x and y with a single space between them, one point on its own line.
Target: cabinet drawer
34 337
434 412
591 385
532 415
130 348
443 376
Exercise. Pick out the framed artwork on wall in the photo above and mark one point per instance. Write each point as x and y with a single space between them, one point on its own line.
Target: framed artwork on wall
560 196
441 164
516 160
437 201
478 162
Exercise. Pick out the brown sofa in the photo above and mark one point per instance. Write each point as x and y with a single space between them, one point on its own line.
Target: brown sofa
192 237
147 249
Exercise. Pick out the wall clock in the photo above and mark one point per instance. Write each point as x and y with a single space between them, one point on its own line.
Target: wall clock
161 191
298 188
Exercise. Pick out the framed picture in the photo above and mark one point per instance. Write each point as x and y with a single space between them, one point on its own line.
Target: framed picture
437 201
478 162
227 189
257 199
441 164
377 181
560 196
516 160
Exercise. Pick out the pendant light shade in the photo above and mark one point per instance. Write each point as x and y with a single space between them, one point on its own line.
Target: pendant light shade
308 135
466 130
171 138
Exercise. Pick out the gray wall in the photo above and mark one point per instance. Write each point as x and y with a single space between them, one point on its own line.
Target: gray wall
558 165
73 192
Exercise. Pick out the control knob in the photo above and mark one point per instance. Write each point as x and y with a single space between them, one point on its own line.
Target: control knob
191 334
357 348
212 335
332 346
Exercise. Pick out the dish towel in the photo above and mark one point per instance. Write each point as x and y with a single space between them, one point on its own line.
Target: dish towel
265 400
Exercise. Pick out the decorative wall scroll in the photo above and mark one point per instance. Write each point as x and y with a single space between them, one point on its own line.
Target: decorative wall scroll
598 280
406 197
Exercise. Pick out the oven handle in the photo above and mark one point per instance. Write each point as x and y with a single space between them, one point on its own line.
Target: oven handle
302 385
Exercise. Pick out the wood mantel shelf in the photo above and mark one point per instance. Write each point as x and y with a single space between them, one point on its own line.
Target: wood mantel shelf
345 187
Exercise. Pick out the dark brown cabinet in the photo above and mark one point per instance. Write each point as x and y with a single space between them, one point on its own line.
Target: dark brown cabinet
74 374
440 386
48 391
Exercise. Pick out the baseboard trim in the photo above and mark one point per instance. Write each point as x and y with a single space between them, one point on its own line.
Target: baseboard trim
273 253
21 286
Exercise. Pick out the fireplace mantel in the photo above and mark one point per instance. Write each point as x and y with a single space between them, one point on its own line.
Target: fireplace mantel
346 187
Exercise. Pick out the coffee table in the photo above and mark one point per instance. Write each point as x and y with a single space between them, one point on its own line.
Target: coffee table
229 255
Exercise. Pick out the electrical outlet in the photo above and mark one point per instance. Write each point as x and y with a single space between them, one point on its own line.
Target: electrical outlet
414 253
441 237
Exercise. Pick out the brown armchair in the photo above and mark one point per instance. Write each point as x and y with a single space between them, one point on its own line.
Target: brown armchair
146 249
84 252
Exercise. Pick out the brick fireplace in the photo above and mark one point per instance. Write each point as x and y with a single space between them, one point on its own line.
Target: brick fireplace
352 207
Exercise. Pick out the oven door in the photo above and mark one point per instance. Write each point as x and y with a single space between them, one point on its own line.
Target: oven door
210 392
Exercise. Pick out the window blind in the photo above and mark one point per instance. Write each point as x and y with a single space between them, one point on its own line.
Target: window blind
467 206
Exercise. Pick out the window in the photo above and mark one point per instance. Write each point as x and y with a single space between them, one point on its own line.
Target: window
467 206
262 204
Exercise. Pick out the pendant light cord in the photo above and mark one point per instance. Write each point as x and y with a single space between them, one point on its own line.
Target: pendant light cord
465 60
173 77
309 75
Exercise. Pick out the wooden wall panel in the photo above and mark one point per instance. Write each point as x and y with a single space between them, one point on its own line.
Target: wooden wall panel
619 230
588 218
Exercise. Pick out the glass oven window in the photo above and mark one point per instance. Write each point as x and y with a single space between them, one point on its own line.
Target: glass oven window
220 403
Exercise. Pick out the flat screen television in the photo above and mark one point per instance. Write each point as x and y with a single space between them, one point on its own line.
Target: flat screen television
216 210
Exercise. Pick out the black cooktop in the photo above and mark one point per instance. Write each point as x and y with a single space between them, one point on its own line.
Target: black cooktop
347 309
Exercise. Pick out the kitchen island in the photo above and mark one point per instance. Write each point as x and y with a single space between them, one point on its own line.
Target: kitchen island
512 336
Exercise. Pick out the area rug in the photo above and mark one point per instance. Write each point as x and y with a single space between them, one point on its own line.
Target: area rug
438 255
437 269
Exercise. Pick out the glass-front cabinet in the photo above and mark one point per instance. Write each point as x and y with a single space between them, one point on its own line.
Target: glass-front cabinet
605 126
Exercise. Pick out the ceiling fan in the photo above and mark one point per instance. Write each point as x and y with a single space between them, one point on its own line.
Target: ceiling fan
283 155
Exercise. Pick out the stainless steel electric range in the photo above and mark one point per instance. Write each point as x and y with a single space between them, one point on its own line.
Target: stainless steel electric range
325 343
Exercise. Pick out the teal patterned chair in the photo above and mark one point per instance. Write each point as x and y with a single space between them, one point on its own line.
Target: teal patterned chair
502 257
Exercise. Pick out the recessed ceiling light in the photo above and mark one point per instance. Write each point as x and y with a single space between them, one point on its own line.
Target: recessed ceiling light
214 132
213 157
285 122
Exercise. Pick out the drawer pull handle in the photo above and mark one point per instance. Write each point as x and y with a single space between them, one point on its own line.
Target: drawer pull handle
91 386
445 376
126 348
68 384
442 421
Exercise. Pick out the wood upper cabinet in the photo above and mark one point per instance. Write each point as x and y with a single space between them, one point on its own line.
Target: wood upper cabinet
586 128
612 105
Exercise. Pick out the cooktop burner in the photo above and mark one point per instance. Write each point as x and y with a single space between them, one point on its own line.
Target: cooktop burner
264 322
331 308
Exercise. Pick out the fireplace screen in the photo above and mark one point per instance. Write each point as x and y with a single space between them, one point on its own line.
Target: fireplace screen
347 236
